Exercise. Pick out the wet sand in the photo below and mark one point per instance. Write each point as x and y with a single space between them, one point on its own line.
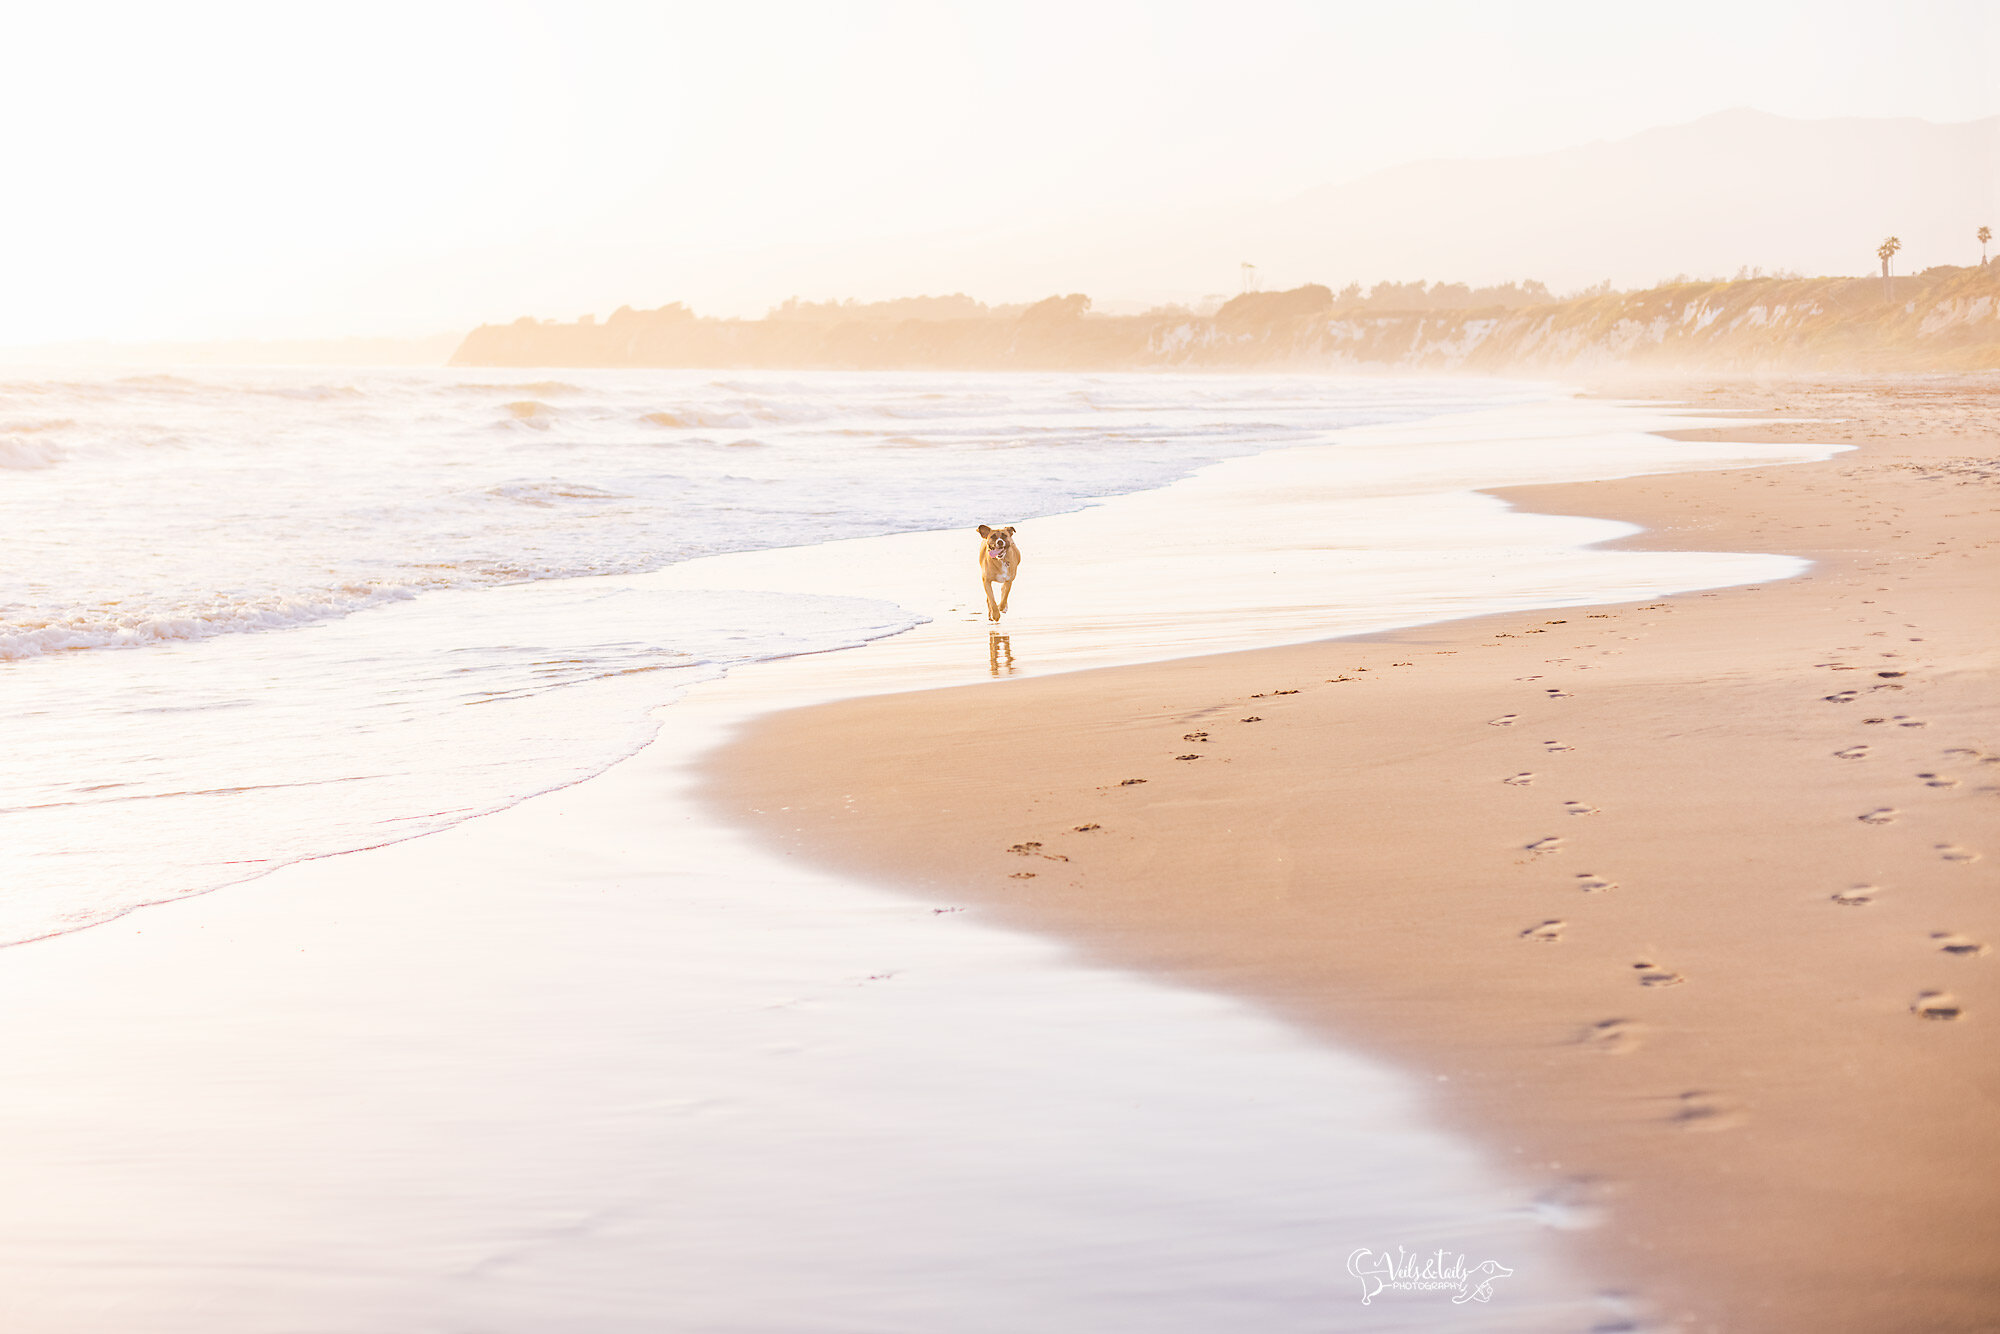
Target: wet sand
1682 906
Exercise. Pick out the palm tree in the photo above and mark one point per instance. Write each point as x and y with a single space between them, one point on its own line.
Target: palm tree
1985 235
1885 252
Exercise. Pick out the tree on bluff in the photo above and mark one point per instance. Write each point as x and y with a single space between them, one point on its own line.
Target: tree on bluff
1259 308
1057 309
1886 252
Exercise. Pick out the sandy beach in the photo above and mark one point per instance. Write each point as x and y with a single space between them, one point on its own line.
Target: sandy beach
1682 905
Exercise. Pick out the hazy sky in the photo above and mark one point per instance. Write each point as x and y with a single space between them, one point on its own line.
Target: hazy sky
273 169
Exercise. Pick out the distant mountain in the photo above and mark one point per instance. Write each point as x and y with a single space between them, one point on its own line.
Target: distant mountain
1733 190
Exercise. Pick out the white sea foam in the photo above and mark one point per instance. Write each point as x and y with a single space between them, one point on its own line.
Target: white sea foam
115 627
165 507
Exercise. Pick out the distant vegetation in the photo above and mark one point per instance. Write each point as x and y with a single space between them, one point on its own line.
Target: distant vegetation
957 306
1945 318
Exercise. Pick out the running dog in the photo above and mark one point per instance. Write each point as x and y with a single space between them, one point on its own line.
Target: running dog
999 560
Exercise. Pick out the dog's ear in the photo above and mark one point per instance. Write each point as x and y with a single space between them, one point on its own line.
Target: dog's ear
1009 530
984 531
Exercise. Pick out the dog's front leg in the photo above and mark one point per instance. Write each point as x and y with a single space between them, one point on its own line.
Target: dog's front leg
1006 591
993 609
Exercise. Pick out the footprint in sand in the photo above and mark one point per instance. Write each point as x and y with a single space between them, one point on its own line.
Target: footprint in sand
1580 808
1938 780
1558 694
1880 815
1951 852
1022 875
1904 720
1541 845
1593 884
1962 947
1086 828
1936 1005
1547 932
1699 1110
1187 757
1856 896
1556 747
1851 753
1613 1037
1129 782
1844 697
1195 736
1652 975
1520 779
1250 720
1025 849
1504 720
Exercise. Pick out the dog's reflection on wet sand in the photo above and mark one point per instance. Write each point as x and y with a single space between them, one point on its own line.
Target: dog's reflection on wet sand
1000 654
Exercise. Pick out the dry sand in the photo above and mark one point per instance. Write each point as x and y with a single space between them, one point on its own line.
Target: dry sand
1684 905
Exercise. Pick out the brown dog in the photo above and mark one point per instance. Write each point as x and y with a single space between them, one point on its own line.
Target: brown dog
999 558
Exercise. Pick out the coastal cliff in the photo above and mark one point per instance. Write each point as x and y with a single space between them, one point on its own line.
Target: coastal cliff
1944 319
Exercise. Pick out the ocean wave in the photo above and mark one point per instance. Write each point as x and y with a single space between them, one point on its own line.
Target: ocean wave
312 393
689 419
25 455
108 627
787 413
545 388
552 492
160 381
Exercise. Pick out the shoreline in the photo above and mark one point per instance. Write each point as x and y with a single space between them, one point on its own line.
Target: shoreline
1666 1014
597 1057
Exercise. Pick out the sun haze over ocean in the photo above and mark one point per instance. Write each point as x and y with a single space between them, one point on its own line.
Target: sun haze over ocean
222 172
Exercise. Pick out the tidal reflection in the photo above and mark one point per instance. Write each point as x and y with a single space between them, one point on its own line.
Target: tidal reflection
1000 654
